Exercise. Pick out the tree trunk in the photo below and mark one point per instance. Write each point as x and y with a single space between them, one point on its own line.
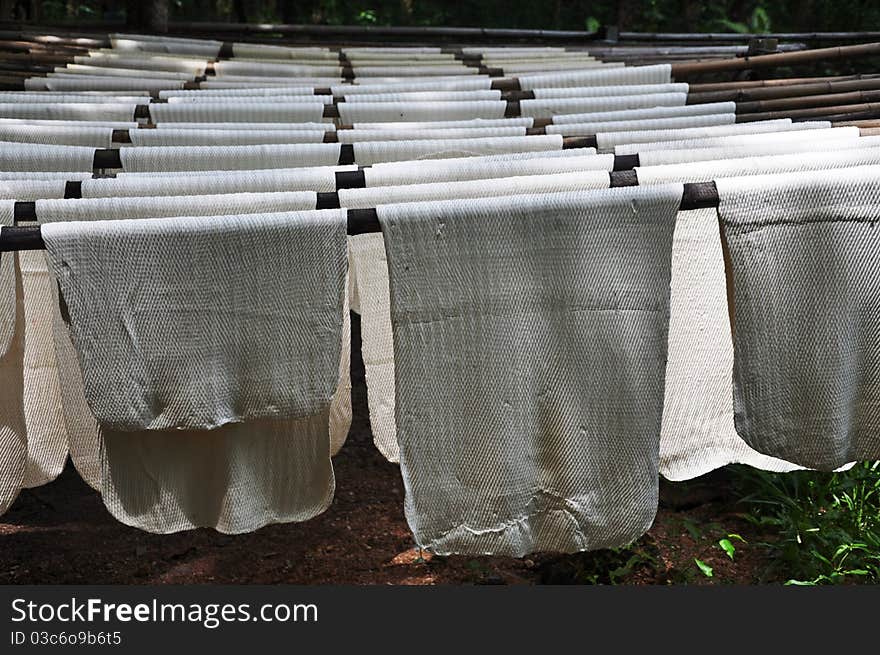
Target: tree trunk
7 7
240 11
625 11
692 12
289 12
739 12
299 12
406 12
147 15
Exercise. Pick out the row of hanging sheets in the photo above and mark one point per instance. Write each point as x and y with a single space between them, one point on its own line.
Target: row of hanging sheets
549 321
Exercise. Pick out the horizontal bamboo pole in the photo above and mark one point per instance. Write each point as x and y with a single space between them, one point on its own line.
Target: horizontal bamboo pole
19 74
684 70
836 113
840 119
33 47
790 91
17 69
709 87
30 59
625 48
75 39
696 195
381 31
737 37
177 27
868 124
123 136
804 102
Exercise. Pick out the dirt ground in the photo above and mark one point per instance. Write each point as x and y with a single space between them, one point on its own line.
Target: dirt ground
62 534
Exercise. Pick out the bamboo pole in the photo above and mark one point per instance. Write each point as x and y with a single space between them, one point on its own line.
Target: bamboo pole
461 32
18 74
29 59
348 31
736 37
834 113
683 70
696 195
11 82
18 69
791 91
870 123
34 44
79 40
805 102
109 158
673 51
787 81
838 120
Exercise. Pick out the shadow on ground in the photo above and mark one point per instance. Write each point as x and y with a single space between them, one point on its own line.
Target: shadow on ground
62 534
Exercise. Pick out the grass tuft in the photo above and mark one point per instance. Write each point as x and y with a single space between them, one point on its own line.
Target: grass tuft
825 526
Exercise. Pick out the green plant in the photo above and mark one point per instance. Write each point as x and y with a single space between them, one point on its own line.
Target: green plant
759 23
828 524
727 546
705 568
693 529
608 566
367 17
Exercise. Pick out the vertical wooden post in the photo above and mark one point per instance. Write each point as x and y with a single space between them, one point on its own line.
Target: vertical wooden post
147 15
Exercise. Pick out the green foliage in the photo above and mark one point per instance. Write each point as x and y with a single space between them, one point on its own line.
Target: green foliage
592 24
825 527
704 568
694 530
630 15
367 17
728 547
760 20
59 10
611 566
759 23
